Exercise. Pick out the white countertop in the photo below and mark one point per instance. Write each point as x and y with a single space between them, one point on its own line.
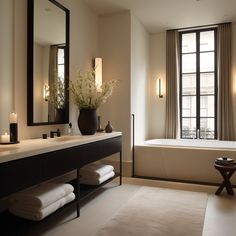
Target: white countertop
33 147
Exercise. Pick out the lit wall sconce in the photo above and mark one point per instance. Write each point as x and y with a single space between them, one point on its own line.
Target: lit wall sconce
46 92
98 72
160 89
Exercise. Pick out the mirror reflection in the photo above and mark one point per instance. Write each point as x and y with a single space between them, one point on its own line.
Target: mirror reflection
50 63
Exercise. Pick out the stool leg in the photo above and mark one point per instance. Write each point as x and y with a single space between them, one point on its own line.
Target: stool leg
226 183
219 190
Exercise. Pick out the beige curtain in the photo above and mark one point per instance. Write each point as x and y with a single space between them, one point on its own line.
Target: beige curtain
172 75
225 106
52 78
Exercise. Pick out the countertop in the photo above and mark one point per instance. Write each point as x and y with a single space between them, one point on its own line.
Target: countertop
31 147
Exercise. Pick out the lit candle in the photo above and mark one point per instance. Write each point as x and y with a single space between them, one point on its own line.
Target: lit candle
5 138
13 118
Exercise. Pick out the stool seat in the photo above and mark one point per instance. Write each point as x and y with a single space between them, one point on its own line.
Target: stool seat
226 171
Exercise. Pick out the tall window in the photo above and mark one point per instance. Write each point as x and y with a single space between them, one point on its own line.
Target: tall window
198 84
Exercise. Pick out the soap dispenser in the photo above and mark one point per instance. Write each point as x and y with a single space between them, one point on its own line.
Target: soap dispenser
70 130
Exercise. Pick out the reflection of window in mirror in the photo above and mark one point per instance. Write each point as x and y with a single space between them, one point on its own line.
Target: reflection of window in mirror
56 82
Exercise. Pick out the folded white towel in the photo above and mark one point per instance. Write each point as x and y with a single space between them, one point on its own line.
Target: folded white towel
96 169
43 195
36 215
96 181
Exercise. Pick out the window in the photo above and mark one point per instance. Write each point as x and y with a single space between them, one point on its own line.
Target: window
61 76
198 84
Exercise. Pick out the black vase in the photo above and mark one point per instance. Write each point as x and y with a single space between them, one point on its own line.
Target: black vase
87 121
108 127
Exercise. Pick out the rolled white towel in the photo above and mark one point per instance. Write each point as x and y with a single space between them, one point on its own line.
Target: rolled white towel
43 195
96 169
96 181
39 214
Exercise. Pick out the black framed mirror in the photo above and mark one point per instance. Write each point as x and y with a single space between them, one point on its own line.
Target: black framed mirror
47 63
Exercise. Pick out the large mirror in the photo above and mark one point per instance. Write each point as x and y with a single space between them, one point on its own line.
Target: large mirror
48 63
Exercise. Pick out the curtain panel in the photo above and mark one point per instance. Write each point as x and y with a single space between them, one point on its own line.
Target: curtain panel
225 83
172 77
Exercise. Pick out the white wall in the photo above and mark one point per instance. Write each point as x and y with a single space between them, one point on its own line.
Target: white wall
6 62
114 42
83 48
139 76
156 105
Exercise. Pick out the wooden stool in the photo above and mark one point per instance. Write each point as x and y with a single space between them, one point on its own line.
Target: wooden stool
226 171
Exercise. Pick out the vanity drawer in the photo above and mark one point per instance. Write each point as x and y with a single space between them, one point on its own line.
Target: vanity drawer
58 163
98 150
20 174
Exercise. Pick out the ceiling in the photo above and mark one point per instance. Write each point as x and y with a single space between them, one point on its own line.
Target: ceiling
160 15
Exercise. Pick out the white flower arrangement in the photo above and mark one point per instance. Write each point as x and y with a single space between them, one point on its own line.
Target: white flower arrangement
85 93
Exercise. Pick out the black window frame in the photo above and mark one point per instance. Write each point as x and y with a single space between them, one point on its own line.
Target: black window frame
198 31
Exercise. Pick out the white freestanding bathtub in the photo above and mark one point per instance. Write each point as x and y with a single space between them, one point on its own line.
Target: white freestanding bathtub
182 159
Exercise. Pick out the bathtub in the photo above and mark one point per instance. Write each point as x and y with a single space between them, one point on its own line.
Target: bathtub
182 159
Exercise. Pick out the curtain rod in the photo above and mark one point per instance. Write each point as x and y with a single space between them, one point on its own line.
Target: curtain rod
200 26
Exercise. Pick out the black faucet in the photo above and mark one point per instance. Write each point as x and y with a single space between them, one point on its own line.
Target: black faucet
55 132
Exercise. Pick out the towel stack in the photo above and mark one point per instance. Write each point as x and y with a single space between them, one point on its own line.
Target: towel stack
39 202
96 173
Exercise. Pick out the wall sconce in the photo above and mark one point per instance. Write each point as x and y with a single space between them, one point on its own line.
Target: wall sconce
46 92
98 72
160 90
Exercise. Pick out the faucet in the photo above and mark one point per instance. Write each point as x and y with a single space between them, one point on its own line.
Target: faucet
198 133
55 132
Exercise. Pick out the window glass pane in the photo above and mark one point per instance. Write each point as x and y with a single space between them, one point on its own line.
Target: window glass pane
60 56
189 128
189 63
189 42
207 128
61 72
189 106
207 106
207 41
189 84
207 61
207 83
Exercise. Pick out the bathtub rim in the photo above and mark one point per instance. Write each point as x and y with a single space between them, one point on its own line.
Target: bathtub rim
145 144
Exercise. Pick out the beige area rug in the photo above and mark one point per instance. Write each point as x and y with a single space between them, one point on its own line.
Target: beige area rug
160 212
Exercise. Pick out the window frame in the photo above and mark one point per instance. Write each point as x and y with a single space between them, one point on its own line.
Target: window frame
198 73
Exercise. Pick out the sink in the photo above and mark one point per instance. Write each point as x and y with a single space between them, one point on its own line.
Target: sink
65 138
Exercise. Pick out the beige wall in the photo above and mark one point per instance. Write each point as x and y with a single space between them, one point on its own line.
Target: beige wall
156 106
114 42
83 48
139 77
6 62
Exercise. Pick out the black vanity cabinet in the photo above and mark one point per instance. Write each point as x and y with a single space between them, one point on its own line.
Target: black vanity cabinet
19 174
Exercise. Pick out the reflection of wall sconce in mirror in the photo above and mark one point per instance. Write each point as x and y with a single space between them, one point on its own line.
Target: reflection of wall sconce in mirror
159 88
98 72
46 92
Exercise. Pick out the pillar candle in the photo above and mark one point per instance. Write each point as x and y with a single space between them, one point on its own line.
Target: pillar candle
13 118
5 138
